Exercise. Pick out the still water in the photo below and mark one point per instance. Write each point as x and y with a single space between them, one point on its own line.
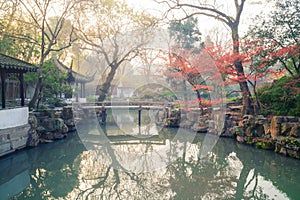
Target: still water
131 168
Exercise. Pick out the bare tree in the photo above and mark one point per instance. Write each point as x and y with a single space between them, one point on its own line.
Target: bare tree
39 13
116 33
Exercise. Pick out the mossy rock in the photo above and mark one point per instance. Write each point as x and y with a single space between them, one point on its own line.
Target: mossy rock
269 145
293 153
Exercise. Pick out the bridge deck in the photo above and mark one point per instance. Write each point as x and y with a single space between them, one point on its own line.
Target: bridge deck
123 107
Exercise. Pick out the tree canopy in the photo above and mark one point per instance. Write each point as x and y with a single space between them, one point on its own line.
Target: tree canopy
278 37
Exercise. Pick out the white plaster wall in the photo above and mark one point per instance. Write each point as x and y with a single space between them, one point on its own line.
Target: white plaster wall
13 117
82 100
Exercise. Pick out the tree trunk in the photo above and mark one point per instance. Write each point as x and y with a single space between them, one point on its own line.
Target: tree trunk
36 92
103 90
248 106
199 102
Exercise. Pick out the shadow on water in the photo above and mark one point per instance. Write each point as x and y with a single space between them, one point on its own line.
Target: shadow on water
65 169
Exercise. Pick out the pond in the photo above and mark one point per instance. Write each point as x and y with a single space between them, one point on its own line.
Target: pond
146 165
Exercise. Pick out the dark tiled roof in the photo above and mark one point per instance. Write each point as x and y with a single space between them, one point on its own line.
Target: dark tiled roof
10 63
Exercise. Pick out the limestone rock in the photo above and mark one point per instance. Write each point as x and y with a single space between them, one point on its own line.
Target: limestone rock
67 112
292 119
32 121
295 131
260 130
41 130
33 138
49 124
275 126
286 128
240 139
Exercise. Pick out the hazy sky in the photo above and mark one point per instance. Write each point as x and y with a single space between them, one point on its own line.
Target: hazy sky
251 9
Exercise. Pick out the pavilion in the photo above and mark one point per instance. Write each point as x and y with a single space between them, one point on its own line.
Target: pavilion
10 65
14 120
74 77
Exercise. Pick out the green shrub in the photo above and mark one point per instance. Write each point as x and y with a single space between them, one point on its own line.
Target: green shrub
91 99
281 98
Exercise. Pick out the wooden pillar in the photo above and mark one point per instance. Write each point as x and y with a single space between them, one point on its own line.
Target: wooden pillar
139 115
83 90
3 85
76 92
21 77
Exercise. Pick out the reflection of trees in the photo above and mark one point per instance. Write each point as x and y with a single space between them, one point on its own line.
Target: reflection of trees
256 192
113 181
202 178
261 168
101 173
51 166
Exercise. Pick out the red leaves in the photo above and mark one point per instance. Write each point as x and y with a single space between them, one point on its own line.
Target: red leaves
216 63
203 87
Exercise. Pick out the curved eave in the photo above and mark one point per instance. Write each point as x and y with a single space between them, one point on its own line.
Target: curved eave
11 64
80 78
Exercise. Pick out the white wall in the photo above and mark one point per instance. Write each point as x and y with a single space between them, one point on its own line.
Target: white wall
13 117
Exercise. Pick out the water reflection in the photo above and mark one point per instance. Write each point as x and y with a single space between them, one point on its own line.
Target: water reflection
65 170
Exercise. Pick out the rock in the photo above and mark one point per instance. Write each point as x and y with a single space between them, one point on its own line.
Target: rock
70 124
239 130
288 146
49 124
240 139
229 132
174 119
292 119
32 121
267 129
248 119
53 124
200 129
264 143
48 136
65 129
261 120
275 126
240 123
33 138
42 140
58 136
59 123
295 131
293 153
67 113
260 130
249 131
283 151
278 119
41 130
286 128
